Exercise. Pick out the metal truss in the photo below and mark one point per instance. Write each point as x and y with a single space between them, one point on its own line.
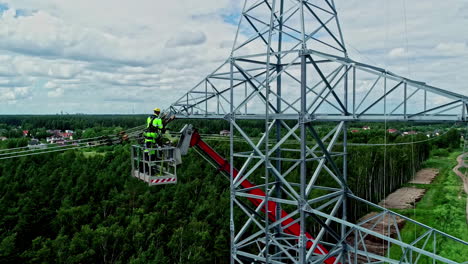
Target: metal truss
368 92
293 71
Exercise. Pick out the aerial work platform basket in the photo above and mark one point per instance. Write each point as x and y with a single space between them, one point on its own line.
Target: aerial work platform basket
155 166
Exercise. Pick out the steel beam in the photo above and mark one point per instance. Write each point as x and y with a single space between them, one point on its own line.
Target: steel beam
296 70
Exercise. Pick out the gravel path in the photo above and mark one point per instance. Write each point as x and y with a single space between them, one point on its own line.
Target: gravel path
461 163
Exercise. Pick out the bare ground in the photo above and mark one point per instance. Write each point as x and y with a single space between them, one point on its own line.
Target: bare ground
383 225
403 198
464 178
425 176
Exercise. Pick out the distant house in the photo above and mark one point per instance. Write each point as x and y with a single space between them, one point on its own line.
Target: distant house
225 133
354 131
54 132
66 135
25 133
36 144
392 130
366 128
54 139
410 133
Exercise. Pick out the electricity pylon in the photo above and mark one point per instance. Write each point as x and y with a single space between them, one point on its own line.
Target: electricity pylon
289 67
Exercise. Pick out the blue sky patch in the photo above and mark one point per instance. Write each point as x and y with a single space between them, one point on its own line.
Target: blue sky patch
3 7
19 12
22 12
232 18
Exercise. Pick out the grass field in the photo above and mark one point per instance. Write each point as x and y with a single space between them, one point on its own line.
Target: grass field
443 208
89 154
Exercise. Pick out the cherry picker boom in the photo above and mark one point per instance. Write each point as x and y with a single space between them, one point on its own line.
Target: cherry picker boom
164 168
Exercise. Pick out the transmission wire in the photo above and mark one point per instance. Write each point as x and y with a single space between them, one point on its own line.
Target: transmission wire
385 124
57 150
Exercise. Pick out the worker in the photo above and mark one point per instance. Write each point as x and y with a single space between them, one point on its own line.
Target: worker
154 127
153 135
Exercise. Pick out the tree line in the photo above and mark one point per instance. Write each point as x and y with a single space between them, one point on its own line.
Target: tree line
78 207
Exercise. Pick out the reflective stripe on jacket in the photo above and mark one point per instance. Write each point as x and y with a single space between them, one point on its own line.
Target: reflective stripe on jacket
153 127
157 123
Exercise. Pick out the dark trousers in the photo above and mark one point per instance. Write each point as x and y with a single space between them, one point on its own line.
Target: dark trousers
148 156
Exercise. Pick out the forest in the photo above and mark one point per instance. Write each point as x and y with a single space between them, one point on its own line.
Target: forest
83 206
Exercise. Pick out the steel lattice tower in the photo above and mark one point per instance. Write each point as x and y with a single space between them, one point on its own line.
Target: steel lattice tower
293 72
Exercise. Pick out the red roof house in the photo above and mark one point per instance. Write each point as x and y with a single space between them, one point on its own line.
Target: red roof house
66 135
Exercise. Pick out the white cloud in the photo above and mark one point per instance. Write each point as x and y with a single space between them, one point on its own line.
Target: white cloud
452 48
186 39
425 44
83 56
14 94
43 35
397 53
50 85
55 93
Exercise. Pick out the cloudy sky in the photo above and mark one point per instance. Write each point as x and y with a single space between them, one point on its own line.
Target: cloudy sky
116 56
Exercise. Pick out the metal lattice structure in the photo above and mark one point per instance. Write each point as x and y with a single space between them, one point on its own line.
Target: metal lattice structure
293 71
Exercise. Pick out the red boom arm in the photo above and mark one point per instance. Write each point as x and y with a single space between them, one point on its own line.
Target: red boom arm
293 229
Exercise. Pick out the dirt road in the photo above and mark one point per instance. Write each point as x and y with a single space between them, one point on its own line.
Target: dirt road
461 164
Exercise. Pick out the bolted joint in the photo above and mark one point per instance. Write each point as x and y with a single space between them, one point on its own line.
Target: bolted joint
302 241
346 191
305 118
302 204
234 250
345 246
230 117
304 52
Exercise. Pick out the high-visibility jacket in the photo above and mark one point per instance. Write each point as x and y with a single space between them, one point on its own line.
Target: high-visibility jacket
154 126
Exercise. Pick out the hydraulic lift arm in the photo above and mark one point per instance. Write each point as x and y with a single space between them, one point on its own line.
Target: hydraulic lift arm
191 138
